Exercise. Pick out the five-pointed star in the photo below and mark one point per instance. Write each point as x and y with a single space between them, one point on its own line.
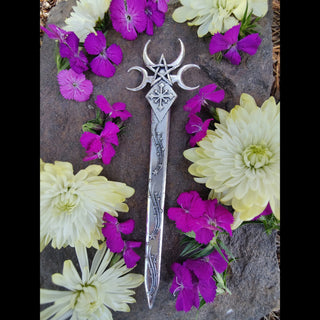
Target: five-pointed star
161 71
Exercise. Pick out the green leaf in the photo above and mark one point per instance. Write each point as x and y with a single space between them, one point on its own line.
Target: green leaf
62 63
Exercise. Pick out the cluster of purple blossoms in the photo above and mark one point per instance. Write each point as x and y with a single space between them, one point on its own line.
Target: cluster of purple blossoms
203 217
135 16
195 277
195 125
112 231
99 145
73 83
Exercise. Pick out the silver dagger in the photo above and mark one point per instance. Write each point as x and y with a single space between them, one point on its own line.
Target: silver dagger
161 97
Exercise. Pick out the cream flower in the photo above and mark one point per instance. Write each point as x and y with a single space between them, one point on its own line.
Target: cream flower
85 15
91 295
216 15
258 7
240 160
72 206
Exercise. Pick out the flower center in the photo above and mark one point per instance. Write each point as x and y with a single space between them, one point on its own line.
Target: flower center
256 156
66 200
88 300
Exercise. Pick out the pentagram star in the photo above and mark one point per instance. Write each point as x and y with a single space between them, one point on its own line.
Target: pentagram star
161 71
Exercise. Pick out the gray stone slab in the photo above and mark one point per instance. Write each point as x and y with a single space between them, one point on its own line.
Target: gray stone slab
254 280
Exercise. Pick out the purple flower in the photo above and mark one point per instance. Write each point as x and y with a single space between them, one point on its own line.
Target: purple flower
265 212
100 146
205 283
112 231
56 33
118 109
162 5
195 125
101 65
130 257
154 16
70 49
192 208
185 287
128 18
208 92
214 218
229 41
74 86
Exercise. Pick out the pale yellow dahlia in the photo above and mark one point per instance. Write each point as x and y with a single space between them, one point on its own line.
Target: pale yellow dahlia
216 15
258 7
91 295
240 160
85 15
72 206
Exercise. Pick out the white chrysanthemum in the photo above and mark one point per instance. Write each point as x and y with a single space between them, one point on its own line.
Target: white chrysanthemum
91 295
258 7
72 206
216 15
240 160
85 15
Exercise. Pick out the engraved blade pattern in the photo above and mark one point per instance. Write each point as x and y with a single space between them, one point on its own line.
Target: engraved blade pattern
156 197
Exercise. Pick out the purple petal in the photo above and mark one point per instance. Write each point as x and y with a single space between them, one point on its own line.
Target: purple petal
180 217
174 285
109 133
103 104
55 33
95 44
109 218
113 238
218 43
126 227
204 235
215 96
162 5
265 212
114 53
217 261
193 105
224 218
201 133
133 244
233 56
207 289
194 124
186 299
130 258
231 36
102 67
192 203
204 91
119 106
107 153
250 43
202 269
78 63
91 141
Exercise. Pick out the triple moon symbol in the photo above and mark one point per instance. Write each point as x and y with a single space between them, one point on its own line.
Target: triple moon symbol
168 68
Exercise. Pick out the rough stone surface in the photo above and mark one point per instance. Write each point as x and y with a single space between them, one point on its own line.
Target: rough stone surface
254 280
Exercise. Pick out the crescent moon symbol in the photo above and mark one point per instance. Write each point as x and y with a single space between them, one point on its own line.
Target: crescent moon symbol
176 63
144 79
179 74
